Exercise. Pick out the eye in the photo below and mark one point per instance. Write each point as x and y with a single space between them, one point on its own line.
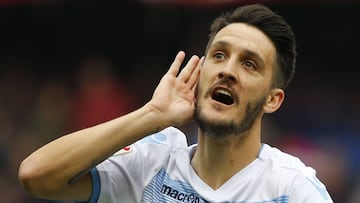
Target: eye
219 56
249 64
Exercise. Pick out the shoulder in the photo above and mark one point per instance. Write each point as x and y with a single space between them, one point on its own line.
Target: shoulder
286 166
291 173
169 137
280 167
159 143
278 159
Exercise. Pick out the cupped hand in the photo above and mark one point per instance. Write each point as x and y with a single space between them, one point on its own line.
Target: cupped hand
174 96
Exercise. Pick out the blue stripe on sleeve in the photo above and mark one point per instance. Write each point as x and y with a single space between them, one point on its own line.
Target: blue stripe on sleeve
95 186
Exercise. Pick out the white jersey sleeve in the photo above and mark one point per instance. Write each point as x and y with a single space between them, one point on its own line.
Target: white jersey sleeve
123 177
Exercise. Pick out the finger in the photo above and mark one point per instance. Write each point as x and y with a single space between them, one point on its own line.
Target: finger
195 74
175 66
187 71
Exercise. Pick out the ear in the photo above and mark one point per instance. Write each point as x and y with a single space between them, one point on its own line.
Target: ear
274 100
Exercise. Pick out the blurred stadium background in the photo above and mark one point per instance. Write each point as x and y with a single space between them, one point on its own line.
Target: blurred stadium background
66 65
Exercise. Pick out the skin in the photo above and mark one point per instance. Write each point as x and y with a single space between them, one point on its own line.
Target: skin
173 103
58 170
245 56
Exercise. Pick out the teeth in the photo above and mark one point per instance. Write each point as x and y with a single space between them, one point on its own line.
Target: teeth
222 95
225 92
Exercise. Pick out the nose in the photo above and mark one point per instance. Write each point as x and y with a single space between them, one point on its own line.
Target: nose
228 72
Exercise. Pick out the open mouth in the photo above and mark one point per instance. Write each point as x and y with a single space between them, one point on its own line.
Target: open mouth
223 96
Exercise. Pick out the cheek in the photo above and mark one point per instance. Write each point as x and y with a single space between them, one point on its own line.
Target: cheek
208 76
258 86
254 93
204 80
199 91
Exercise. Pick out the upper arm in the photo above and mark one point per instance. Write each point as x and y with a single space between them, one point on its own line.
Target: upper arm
46 185
79 190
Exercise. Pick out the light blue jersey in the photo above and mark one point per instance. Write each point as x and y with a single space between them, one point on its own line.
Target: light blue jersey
157 169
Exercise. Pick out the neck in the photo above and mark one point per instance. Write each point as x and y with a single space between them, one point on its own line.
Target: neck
216 160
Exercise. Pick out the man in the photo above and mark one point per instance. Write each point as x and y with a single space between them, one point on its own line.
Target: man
249 60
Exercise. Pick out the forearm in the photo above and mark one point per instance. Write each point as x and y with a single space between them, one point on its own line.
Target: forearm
57 164
57 170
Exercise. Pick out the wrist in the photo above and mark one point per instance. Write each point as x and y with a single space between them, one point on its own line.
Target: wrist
159 118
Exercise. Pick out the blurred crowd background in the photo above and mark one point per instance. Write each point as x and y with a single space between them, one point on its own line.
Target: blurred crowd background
67 65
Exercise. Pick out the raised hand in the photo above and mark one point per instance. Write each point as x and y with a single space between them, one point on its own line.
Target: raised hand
175 95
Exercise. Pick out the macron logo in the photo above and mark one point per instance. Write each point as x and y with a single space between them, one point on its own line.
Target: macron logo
180 196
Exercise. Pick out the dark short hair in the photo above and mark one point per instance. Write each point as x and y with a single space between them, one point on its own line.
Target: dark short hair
274 27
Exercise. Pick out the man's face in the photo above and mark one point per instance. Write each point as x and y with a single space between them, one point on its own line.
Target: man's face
235 80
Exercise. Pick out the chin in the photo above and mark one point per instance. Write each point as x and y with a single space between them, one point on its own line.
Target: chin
223 123
215 124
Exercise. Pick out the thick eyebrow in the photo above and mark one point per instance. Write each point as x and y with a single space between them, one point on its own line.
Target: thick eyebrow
253 55
245 52
220 44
